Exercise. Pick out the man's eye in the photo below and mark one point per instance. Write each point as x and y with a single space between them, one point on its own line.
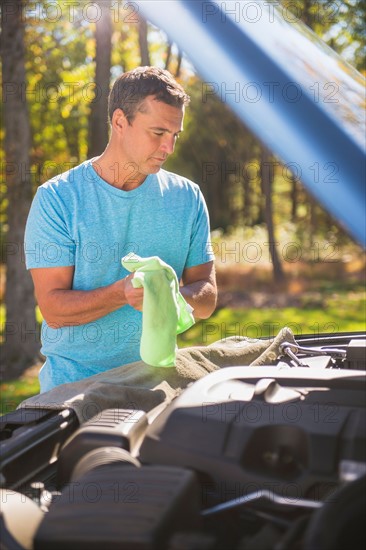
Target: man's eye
158 133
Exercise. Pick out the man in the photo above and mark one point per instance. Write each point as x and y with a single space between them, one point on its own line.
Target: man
82 222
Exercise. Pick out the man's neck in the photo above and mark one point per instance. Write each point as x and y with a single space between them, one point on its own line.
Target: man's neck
117 173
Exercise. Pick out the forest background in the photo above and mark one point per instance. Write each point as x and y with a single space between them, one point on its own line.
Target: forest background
280 259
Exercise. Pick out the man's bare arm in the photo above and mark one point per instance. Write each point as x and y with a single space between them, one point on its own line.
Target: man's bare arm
199 289
62 306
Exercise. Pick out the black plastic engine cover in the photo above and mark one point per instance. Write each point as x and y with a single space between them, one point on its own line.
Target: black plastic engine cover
122 428
291 431
122 507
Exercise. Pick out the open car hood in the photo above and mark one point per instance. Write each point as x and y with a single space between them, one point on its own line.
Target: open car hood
298 96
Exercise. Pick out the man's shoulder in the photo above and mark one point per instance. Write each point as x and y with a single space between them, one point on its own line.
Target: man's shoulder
67 180
173 180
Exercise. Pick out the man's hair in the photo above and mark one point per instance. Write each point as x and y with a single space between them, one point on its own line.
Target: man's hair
131 88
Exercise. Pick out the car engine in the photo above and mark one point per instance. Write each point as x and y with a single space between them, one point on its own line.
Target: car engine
245 458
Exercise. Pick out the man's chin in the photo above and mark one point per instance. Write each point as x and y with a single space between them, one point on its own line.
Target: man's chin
154 166
152 170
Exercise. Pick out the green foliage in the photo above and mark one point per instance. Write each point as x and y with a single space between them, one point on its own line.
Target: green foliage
341 313
59 90
12 393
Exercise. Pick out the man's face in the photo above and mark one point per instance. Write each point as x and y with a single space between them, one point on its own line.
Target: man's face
152 135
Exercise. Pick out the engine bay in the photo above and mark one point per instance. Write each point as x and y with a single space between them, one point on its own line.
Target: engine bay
270 457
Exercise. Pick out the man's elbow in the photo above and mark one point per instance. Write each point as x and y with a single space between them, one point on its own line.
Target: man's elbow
52 318
208 306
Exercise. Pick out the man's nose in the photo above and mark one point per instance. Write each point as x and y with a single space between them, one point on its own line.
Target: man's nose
168 144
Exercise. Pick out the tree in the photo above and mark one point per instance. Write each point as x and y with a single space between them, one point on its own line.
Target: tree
143 43
179 64
267 176
21 343
98 128
294 198
168 55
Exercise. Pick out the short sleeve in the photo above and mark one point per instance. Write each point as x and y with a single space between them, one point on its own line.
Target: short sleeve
200 251
47 241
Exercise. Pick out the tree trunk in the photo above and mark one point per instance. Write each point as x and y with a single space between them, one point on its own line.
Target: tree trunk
294 197
247 198
168 55
267 176
306 14
313 226
98 125
143 44
21 338
179 64
72 138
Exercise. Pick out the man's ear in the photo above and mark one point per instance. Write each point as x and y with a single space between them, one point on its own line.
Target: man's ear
119 120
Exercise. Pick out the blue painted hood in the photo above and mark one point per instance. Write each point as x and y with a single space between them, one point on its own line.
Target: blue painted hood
299 97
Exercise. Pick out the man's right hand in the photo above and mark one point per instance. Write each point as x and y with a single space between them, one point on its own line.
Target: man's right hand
134 296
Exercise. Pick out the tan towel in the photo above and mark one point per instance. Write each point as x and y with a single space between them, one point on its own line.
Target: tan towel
141 387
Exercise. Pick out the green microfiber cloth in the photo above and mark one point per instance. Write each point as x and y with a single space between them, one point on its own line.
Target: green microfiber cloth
165 313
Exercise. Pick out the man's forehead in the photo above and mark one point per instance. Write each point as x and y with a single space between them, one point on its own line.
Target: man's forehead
161 114
151 105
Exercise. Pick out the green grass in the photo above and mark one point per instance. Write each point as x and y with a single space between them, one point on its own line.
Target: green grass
14 392
339 312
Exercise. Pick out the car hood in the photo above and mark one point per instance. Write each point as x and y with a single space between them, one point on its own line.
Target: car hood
302 100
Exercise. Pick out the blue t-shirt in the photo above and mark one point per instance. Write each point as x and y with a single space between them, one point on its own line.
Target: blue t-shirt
77 219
